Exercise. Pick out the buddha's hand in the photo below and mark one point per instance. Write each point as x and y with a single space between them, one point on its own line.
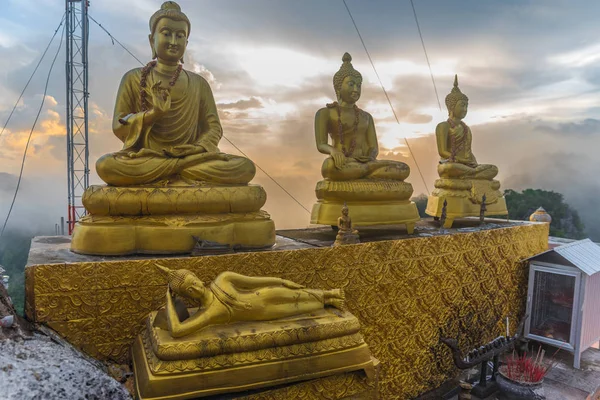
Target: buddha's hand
161 99
183 150
364 159
291 285
339 159
371 157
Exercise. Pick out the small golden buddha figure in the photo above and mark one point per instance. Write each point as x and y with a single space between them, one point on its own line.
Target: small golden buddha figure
167 119
246 333
374 189
346 233
463 182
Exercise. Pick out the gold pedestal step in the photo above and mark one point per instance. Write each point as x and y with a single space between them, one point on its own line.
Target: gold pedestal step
248 355
326 212
172 200
170 234
460 207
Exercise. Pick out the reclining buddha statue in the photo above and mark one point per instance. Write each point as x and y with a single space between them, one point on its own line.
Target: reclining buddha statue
463 182
242 333
374 190
170 182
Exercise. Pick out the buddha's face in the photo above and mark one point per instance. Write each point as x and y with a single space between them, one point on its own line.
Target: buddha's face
345 212
350 90
460 109
192 288
169 39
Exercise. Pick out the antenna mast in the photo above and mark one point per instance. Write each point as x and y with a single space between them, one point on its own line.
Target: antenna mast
77 30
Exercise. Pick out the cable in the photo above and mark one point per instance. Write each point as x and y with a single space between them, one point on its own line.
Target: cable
426 56
270 177
385 92
31 77
224 137
31 133
115 39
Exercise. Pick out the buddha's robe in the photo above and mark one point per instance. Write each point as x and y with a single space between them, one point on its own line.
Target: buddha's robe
465 164
365 140
191 120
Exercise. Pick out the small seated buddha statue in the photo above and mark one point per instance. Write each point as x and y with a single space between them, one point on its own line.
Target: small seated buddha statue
346 233
241 333
463 182
374 190
170 181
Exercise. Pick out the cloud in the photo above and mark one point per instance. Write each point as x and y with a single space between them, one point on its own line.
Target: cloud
588 126
270 66
39 205
581 57
244 104
8 182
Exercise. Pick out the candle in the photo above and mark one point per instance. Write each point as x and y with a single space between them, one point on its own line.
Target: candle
507 330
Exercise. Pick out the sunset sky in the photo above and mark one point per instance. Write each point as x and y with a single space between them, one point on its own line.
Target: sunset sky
531 70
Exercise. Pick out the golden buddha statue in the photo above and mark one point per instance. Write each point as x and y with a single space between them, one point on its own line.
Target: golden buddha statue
248 333
233 297
463 182
170 181
346 233
374 189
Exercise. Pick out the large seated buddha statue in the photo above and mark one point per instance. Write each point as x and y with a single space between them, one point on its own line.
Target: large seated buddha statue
170 182
374 190
463 182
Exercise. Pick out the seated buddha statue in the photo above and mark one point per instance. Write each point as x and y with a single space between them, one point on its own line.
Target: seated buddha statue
373 189
346 233
463 181
170 166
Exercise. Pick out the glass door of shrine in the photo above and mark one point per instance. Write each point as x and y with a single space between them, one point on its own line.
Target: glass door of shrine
553 296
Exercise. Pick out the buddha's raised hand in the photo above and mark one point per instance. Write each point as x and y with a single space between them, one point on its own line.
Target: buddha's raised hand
161 99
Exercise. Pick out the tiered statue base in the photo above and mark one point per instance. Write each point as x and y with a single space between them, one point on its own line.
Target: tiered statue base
247 355
464 198
344 238
369 202
164 220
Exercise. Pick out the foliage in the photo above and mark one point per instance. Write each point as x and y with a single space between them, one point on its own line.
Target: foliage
14 250
421 203
565 221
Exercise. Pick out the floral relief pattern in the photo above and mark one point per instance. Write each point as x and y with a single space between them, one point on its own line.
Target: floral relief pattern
405 293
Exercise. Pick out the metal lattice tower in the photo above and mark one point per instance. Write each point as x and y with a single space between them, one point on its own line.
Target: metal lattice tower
77 29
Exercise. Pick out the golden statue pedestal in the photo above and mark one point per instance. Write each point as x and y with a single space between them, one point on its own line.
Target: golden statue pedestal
464 198
371 202
164 219
247 355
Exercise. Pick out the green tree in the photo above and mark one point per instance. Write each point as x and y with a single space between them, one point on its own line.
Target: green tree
14 250
421 203
565 221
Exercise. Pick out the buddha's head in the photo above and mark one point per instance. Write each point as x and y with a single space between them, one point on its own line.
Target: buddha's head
184 283
347 81
169 31
345 210
457 102
191 287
